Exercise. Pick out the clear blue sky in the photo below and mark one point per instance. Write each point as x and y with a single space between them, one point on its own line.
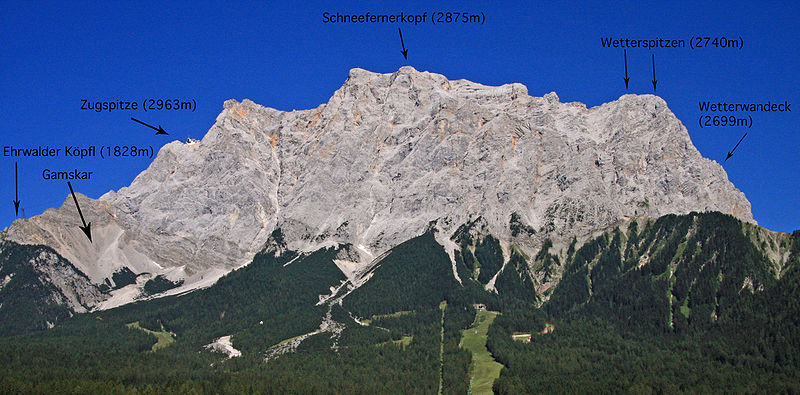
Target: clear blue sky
283 56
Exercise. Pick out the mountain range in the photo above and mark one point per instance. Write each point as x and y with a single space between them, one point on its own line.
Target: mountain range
387 155
379 225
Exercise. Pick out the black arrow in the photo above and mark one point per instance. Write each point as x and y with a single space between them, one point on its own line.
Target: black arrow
86 228
730 153
654 72
404 51
159 129
16 191
625 53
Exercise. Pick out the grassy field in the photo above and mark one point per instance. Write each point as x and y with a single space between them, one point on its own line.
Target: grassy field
164 337
484 369
378 316
404 341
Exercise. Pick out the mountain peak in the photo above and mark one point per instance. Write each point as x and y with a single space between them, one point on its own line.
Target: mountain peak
357 73
408 78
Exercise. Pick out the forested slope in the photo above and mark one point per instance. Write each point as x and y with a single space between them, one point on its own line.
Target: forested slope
700 302
697 303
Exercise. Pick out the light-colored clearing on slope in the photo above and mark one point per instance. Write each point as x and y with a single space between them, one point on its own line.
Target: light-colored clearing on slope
484 369
225 346
403 342
374 317
133 292
164 338
521 337
124 295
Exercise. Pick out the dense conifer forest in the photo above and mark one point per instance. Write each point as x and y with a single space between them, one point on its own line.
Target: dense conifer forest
692 303
707 313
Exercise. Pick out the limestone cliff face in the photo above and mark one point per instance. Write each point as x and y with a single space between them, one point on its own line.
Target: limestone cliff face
387 155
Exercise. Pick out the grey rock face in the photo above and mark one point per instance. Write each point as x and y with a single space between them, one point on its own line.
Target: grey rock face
75 291
388 154
35 278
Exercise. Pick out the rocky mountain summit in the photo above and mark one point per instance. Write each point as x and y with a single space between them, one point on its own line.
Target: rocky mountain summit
389 156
